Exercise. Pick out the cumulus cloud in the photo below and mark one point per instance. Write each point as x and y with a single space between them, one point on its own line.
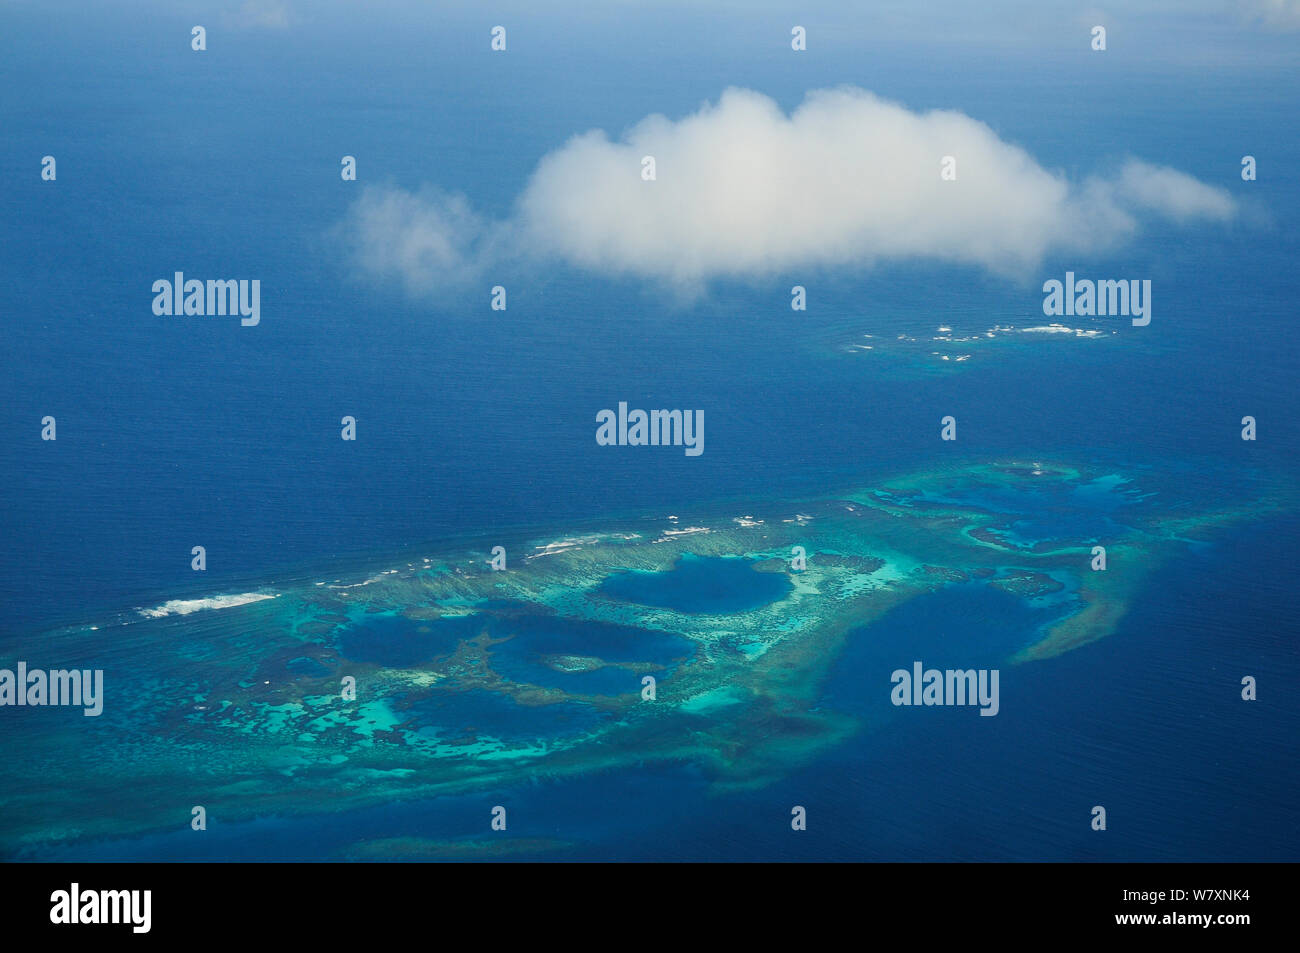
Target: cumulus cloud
743 189
1171 193
424 240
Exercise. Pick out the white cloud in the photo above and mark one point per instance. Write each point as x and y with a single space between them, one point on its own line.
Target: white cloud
743 189
425 240
263 14
1171 193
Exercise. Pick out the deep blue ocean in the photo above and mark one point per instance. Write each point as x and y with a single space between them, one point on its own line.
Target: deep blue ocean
176 431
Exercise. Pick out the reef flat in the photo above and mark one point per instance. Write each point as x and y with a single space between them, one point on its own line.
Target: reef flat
945 350
470 678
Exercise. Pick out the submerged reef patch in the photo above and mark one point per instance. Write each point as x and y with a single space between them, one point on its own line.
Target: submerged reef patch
603 647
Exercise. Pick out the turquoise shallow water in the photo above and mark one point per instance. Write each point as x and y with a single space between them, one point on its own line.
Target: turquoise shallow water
1147 722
